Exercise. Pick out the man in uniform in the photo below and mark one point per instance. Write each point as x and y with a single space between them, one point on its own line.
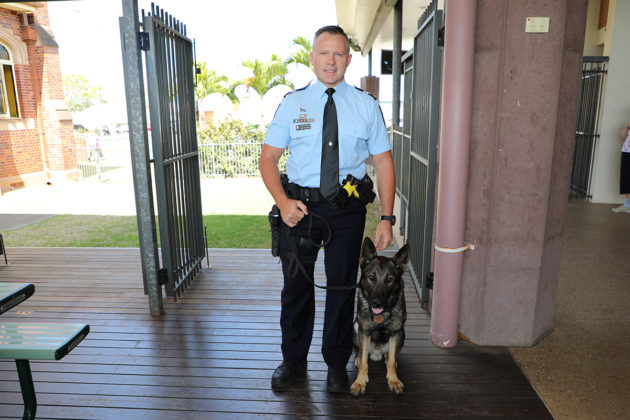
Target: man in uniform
326 114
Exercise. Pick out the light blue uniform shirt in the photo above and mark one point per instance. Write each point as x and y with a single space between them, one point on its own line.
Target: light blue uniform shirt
298 125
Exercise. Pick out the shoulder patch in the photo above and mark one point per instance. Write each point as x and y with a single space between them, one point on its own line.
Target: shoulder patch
296 90
365 91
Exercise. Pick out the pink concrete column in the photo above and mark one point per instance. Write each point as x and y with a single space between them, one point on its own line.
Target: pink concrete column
455 118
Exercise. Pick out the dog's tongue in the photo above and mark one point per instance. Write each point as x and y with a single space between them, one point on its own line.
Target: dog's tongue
377 311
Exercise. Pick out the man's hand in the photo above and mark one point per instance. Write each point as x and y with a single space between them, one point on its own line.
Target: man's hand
292 211
386 184
383 235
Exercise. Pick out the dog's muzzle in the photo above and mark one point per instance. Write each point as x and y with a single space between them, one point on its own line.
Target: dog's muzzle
377 314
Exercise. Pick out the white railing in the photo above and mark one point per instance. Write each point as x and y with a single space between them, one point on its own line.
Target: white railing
231 159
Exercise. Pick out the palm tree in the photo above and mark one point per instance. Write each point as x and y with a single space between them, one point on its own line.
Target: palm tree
266 75
208 82
303 55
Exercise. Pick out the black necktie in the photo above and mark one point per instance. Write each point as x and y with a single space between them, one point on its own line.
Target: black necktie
329 177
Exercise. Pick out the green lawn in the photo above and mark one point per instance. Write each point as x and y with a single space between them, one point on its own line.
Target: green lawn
224 231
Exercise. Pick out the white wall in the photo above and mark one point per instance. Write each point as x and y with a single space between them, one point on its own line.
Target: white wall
615 107
591 44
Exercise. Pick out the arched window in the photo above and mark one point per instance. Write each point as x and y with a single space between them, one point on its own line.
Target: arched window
8 91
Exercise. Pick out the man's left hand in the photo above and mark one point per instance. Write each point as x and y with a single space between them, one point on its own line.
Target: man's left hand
383 235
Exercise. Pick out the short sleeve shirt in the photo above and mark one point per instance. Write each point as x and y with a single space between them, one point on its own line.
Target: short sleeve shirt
298 125
626 144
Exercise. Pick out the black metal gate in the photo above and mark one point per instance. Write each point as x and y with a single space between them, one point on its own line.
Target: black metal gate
587 126
169 81
415 146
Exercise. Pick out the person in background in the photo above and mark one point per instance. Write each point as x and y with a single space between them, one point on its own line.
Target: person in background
624 176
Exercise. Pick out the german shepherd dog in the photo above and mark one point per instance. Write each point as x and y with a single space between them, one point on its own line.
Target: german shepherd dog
381 314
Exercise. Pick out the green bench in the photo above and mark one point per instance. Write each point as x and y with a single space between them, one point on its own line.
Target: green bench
24 341
12 294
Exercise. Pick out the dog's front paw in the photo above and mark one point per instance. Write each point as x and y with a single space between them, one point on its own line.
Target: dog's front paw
358 388
396 386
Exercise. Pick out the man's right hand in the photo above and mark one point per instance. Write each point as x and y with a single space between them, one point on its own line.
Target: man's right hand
292 211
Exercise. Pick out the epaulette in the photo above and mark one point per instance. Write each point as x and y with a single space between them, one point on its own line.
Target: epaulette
296 90
365 91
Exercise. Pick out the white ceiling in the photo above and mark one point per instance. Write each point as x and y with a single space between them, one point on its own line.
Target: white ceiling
371 22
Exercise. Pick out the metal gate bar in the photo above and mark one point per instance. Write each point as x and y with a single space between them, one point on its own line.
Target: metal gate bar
424 123
587 125
169 63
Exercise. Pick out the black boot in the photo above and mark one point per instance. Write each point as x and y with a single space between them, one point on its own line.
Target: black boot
285 373
337 380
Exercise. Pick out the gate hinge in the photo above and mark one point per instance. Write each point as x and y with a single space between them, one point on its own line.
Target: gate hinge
163 276
440 38
143 41
429 280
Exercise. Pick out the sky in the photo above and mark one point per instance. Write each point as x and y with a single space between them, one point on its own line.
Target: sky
226 33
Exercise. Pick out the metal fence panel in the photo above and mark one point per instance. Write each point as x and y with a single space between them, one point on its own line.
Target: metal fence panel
229 159
594 71
95 156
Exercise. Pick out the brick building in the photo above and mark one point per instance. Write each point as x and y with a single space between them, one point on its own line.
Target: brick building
36 129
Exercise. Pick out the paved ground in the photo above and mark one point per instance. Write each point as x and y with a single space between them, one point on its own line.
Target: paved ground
580 370
114 196
15 221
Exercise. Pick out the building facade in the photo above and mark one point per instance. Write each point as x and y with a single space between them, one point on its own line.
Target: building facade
36 130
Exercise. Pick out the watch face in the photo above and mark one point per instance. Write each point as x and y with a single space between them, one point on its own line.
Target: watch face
390 219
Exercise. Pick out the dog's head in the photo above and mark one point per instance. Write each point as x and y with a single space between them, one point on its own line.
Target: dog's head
381 277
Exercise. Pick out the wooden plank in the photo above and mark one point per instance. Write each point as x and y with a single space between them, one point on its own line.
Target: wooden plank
213 352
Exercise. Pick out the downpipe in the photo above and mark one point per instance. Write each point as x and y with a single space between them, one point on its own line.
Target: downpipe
455 124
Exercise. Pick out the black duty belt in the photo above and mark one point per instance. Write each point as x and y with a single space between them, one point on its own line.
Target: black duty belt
351 188
304 194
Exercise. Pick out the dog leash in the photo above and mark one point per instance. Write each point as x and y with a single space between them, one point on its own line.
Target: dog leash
294 261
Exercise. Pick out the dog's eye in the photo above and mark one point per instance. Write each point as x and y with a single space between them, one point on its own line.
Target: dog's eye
371 277
389 279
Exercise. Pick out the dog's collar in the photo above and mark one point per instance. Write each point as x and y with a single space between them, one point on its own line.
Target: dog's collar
378 319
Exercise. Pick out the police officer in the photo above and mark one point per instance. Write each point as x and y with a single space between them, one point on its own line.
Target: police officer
298 124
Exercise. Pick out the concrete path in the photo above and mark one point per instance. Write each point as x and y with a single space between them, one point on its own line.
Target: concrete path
115 196
16 221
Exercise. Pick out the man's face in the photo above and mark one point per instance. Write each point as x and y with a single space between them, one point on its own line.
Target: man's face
330 57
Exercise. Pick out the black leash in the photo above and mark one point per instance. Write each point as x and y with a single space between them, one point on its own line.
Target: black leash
294 260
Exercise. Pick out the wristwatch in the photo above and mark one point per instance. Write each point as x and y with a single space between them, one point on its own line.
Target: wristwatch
390 219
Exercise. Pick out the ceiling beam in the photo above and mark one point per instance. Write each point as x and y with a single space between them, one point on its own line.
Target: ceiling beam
383 10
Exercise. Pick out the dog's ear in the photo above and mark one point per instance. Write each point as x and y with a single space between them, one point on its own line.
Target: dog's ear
368 251
402 258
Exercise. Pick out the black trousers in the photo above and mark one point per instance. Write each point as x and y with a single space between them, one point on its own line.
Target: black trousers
341 261
624 178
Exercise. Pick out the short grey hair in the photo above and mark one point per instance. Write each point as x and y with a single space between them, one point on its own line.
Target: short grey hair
332 30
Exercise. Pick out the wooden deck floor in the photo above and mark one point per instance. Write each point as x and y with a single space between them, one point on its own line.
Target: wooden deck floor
212 354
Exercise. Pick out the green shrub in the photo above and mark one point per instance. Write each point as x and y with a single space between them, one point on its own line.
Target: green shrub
231 147
230 131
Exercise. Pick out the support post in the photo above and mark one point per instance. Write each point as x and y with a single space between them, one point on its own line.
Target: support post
456 111
396 63
138 137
